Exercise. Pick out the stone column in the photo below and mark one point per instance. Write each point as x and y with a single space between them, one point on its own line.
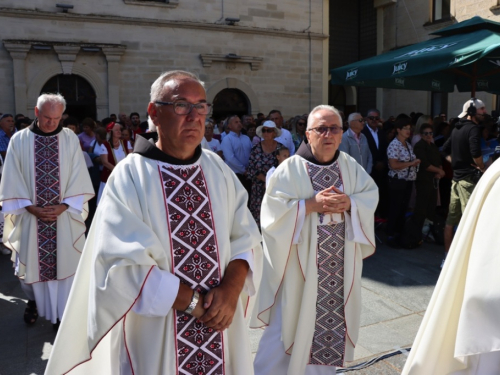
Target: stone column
113 56
380 5
18 52
67 57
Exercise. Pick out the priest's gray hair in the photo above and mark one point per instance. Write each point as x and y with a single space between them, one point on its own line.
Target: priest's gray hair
310 119
157 86
53 99
351 116
151 125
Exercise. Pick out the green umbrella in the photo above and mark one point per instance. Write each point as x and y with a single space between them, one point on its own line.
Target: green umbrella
465 55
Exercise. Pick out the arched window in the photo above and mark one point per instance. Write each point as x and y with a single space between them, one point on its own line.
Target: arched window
230 102
79 94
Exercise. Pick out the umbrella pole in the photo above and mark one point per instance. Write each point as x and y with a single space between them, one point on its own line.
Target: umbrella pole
474 79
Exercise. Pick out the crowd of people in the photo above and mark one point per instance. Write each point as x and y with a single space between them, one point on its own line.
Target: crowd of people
405 155
189 225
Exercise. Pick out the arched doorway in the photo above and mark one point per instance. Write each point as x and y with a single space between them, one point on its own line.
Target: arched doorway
79 94
230 102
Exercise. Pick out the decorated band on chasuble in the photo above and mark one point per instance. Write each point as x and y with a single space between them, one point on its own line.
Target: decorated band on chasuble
47 190
328 345
195 259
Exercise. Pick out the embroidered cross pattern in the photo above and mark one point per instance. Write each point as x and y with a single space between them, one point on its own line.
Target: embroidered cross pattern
195 262
47 193
328 346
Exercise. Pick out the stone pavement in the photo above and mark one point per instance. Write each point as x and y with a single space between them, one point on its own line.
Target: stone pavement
396 288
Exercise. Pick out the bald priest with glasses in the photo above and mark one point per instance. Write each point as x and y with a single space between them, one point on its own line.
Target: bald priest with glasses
172 258
317 226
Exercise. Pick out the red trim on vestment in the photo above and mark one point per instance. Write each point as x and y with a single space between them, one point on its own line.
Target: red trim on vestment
126 312
126 346
282 276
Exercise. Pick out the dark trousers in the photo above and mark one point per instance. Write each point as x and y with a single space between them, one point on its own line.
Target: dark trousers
247 184
380 178
425 206
400 193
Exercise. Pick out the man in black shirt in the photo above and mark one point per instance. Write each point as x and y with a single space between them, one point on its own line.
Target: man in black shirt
464 148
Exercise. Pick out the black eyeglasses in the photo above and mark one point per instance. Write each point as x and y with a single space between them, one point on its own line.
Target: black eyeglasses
301 123
374 118
184 108
267 130
428 133
323 130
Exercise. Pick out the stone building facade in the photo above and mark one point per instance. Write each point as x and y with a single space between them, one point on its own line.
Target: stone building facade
273 55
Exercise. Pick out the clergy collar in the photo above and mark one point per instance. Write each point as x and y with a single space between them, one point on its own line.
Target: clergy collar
306 152
35 129
149 150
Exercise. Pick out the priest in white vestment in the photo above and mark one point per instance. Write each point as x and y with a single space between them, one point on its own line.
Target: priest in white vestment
318 225
460 332
171 260
44 193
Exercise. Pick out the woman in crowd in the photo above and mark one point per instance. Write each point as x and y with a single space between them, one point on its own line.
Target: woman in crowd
262 158
127 136
402 172
112 152
87 136
252 134
299 125
428 176
424 119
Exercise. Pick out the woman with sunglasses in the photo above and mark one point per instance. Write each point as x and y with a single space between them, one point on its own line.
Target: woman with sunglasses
262 158
428 176
403 165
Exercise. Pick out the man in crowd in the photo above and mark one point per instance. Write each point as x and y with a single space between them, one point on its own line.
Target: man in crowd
135 125
317 225
355 144
459 332
464 149
286 137
236 149
378 148
247 120
7 130
171 259
44 203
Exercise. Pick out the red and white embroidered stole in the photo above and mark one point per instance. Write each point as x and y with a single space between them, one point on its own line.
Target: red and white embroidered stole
195 259
328 345
47 189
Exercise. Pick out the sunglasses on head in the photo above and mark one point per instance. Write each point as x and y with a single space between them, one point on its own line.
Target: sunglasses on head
267 130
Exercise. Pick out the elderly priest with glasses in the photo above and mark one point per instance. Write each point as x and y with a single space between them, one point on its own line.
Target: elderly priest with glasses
317 224
171 260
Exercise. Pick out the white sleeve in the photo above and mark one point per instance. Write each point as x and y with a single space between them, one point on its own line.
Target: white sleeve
158 294
129 146
218 147
249 287
75 204
104 150
353 228
15 206
300 222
